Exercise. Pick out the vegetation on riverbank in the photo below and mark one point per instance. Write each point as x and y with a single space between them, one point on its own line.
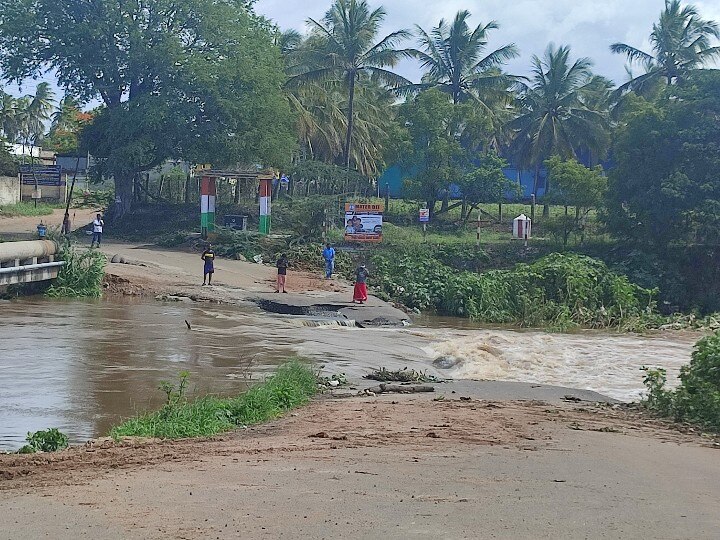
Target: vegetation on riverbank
49 440
559 291
81 276
697 398
292 385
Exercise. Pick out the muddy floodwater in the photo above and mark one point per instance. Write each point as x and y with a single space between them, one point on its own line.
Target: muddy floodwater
82 366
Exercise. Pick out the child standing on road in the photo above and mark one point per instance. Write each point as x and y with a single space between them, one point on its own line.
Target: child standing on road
209 257
282 265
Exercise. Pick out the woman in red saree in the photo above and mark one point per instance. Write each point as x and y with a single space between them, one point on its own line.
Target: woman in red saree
360 292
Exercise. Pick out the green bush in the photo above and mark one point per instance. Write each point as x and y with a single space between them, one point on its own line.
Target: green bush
292 385
697 398
49 440
81 276
559 290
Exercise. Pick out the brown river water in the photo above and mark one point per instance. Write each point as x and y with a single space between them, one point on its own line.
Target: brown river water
82 366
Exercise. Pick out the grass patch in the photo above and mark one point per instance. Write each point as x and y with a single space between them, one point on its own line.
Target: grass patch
27 209
81 276
291 386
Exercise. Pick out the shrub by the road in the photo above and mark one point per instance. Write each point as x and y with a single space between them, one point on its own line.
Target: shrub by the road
49 440
697 398
558 291
291 386
81 276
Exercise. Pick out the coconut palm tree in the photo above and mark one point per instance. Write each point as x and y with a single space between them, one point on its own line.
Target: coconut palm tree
559 111
9 117
34 111
681 43
456 60
344 48
322 123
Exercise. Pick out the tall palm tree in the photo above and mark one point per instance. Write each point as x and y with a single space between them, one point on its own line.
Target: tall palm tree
559 115
344 47
456 61
681 43
9 117
322 123
35 111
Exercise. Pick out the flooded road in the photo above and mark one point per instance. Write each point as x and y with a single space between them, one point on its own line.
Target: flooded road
82 366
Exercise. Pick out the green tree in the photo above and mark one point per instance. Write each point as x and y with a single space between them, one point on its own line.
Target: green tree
557 116
344 48
322 123
8 163
486 183
67 123
681 44
442 140
9 118
198 80
664 190
573 184
456 61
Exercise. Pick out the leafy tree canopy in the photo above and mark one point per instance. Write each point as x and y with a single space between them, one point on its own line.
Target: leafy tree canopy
665 188
442 143
487 183
198 80
573 184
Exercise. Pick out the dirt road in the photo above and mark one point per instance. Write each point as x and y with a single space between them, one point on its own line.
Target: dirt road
25 227
398 467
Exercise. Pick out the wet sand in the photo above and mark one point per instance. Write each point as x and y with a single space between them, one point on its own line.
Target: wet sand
390 466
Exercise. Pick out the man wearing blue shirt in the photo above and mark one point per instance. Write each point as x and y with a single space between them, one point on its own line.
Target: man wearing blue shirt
329 256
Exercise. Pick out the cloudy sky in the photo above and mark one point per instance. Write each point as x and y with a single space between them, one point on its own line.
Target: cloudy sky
589 26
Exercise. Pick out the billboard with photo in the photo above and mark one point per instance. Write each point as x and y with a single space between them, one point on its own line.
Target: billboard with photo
363 222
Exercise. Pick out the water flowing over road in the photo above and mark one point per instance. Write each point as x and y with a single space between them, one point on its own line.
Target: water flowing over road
82 366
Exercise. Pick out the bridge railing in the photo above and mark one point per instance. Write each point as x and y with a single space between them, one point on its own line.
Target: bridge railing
33 260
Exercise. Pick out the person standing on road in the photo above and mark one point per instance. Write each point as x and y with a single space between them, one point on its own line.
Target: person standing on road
66 226
360 293
209 257
97 228
282 266
329 256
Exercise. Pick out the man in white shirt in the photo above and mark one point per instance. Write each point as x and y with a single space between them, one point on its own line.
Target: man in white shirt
97 226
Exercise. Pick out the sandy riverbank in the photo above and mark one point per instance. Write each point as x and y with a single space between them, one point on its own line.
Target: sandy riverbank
394 466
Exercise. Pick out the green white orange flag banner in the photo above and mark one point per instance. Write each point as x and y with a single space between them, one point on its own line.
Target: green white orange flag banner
265 191
207 205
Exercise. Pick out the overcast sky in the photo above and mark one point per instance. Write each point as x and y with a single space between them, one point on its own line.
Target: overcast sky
588 26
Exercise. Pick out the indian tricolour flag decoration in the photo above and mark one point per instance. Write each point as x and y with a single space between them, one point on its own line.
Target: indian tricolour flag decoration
207 205
265 192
